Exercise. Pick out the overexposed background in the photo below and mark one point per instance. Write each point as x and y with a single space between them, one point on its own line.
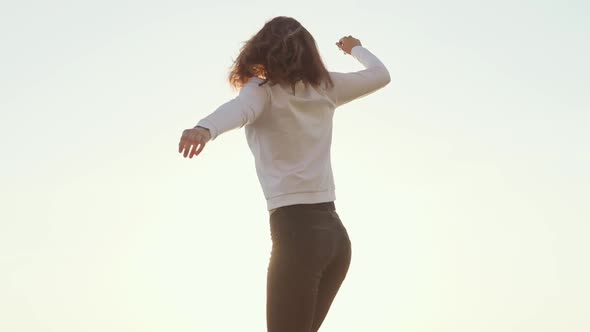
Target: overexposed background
464 184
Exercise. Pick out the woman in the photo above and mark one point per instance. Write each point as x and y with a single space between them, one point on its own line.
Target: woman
286 103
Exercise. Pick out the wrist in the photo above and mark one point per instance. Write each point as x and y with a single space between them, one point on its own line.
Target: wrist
209 127
206 129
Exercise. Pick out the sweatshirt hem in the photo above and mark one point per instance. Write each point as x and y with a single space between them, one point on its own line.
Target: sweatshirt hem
301 198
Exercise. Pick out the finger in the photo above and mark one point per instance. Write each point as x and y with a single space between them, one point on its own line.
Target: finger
187 149
201 147
192 151
181 146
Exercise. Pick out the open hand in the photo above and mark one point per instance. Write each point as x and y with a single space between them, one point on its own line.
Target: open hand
193 141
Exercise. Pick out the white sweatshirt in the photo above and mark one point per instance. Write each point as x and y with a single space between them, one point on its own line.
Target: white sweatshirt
290 135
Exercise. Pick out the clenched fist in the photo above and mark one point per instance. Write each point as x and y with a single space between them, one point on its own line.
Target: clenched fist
193 141
347 43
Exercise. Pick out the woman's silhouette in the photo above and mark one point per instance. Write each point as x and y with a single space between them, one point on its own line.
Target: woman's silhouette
286 102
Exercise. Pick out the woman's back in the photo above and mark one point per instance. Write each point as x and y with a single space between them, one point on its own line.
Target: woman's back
290 141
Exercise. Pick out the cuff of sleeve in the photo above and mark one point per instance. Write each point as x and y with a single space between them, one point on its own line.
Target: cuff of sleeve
354 51
207 124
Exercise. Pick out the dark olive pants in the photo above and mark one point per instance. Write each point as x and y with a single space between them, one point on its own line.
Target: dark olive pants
310 256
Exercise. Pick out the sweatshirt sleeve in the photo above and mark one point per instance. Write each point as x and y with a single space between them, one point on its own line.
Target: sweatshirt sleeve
243 109
350 86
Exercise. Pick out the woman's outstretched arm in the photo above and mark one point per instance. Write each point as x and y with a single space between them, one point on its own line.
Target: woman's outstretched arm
238 112
242 110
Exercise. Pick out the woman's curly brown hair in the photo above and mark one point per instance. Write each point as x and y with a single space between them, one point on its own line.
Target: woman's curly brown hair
282 52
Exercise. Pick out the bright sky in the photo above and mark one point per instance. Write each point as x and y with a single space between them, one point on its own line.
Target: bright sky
463 184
